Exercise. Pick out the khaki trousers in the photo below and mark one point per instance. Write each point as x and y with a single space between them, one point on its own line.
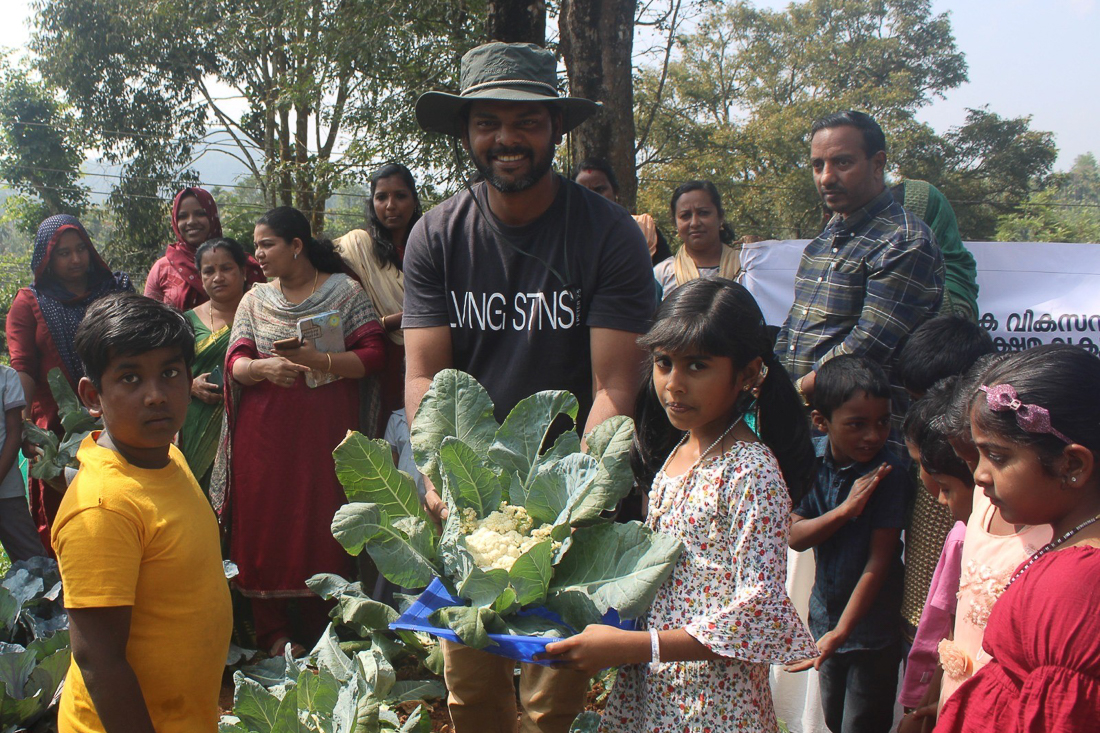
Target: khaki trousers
482 699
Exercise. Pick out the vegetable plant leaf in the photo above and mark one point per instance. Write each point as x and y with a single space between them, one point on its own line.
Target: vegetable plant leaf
530 574
418 722
259 709
330 656
469 622
471 483
619 566
366 470
520 439
455 405
532 625
377 672
406 690
575 608
559 485
328 585
609 444
506 602
483 587
74 418
403 549
586 722
316 693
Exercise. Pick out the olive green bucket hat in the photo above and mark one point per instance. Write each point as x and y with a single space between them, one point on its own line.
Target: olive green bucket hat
502 72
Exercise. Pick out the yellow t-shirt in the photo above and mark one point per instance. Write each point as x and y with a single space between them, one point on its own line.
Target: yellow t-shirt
147 538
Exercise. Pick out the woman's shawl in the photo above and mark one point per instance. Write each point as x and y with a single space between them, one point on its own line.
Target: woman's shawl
62 310
385 284
729 266
263 317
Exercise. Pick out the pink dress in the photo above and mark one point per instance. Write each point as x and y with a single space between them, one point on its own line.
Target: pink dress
935 621
727 590
988 561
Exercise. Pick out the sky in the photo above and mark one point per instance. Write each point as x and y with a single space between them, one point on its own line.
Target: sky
1025 57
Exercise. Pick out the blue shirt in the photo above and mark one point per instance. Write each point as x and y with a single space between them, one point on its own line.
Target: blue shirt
842 558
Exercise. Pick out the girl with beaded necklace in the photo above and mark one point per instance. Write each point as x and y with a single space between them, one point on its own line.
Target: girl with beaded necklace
723 615
1033 420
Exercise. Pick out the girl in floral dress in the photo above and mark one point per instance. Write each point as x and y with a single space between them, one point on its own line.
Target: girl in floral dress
723 616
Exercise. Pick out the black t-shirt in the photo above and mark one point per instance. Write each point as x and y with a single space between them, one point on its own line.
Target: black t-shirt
517 325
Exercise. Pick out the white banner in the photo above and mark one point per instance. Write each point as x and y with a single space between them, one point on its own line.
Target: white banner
1030 293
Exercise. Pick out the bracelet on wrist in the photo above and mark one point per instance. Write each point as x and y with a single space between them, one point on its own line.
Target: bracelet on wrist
329 367
654 648
248 371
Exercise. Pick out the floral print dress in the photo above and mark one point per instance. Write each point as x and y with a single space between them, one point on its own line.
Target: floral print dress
732 513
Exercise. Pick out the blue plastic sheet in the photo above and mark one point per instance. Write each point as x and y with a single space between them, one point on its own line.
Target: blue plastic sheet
520 648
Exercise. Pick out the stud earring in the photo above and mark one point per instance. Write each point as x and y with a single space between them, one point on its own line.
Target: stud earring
1073 479
295 255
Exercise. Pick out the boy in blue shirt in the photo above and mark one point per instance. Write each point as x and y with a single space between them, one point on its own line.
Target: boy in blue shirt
853 518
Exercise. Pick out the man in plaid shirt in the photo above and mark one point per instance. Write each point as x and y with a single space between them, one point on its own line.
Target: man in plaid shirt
873 275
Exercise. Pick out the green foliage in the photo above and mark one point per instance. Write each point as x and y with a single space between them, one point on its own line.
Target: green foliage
333 691
15 273
586 722
1067 211
328 87
737 106
40 148
57 453
34 642
584 567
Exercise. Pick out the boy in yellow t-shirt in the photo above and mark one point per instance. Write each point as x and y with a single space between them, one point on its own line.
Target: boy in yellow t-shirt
136 540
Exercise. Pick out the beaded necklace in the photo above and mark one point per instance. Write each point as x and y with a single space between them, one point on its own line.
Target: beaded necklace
660 506
1048 547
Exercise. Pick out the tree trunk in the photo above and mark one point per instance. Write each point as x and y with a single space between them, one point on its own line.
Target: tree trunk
597 39
516 21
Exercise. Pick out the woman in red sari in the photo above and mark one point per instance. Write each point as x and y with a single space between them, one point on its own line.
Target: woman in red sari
280 491
1034 424
68 276
174 279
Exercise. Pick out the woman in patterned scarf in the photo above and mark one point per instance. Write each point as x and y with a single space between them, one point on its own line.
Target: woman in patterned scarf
68 276
174 278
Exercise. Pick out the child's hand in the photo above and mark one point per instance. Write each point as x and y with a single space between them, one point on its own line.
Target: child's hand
917 720
862 489
597 647
826 647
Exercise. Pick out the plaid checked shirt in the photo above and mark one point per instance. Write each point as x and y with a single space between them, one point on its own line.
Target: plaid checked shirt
863 285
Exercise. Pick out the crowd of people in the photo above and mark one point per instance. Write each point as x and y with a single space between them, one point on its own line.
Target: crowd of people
950 494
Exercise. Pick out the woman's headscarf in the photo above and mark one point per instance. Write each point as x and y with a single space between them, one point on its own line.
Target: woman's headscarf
62 310
180 254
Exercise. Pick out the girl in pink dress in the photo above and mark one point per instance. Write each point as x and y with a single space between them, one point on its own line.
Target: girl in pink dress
723 615
1033 421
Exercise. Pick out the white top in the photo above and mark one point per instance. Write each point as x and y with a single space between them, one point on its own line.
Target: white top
11 398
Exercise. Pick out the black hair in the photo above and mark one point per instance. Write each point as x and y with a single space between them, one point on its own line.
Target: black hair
956 420
230 245
1064 380
289 224
842 377
718 317
126 324
725 232
874 140
925 427
385 249
601 165
942 347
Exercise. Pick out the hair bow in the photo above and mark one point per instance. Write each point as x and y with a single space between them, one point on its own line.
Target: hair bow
1032 418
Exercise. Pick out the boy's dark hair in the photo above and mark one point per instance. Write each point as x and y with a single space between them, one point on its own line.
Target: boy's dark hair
842 377
125 324
925 427
874 139
943 347
601 165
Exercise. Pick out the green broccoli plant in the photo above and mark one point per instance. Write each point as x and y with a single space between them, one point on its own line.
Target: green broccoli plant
57 453
34 650
333 691
528 524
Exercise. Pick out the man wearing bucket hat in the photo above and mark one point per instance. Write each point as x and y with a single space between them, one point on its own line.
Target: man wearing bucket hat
528 282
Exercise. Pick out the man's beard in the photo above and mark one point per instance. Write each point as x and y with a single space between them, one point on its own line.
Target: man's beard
514 185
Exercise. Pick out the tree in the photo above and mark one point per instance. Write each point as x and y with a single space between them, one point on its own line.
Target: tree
597 41
737 105
1068 210
40 154
516 21
328 85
